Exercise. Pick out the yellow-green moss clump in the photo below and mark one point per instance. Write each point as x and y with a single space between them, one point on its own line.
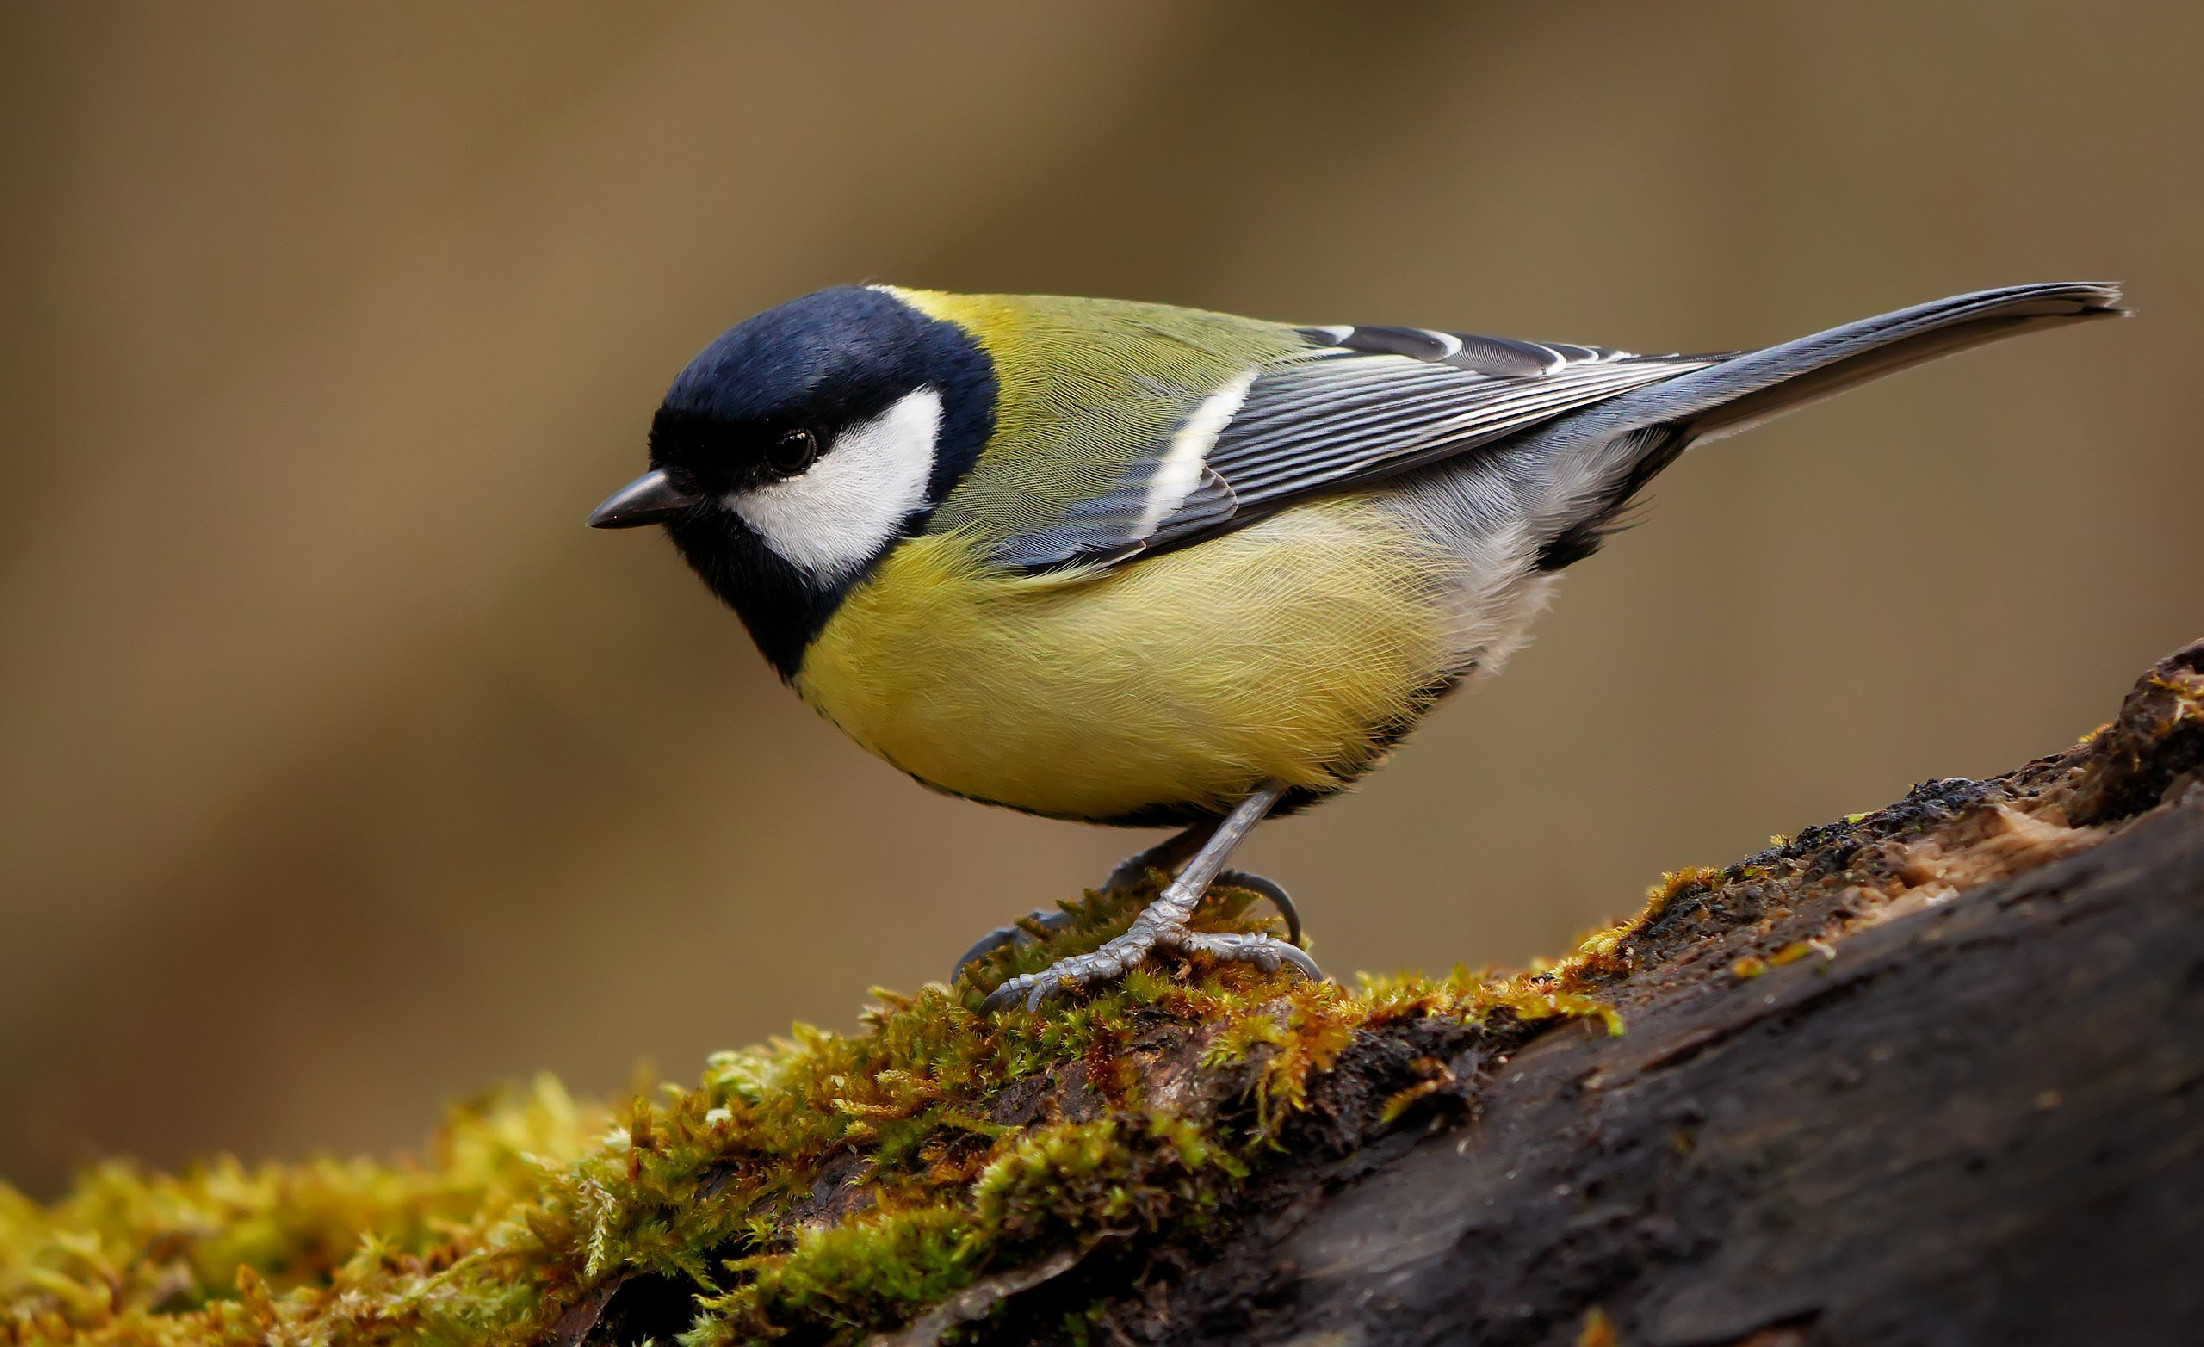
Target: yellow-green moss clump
819 1189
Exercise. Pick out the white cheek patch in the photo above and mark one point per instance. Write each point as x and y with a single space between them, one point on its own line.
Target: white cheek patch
834 516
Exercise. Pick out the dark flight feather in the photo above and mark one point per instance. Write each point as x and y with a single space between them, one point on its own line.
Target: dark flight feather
1368 403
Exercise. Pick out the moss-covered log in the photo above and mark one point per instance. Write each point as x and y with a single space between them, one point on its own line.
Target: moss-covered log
1924 1075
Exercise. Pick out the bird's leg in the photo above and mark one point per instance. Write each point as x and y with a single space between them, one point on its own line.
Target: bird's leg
1162 924
1172 852
1167 855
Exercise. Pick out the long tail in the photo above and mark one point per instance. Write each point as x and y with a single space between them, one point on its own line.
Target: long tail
1605 454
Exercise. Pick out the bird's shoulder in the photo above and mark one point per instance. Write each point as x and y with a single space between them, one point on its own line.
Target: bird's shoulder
1083 390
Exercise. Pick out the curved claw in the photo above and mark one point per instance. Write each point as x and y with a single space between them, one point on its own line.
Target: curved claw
1266 952
982 947
1271 889
1002 936
1033 988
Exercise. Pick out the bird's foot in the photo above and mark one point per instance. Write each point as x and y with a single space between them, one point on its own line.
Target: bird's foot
1270 889
1002 937
1162 925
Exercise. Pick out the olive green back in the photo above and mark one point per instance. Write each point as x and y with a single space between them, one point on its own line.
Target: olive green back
1084 388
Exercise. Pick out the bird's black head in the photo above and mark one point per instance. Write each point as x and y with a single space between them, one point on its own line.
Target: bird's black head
795 450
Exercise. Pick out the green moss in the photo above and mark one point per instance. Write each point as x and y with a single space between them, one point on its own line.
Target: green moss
1676 884
931 1163
816 1189
210 1255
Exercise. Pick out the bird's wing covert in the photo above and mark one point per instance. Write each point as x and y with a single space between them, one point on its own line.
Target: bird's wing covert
1362 403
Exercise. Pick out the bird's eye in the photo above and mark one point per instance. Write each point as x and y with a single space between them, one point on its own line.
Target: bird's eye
793 452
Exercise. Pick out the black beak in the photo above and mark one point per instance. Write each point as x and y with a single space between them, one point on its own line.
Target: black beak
648 499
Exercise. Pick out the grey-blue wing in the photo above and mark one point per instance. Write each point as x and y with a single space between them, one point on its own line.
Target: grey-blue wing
1364 403
1591 424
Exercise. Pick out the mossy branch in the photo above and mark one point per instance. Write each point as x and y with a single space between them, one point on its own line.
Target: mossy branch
1641 1142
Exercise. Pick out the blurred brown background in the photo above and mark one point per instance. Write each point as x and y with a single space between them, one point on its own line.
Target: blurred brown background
342 770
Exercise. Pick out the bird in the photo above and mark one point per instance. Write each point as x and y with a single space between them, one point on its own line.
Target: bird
1136 564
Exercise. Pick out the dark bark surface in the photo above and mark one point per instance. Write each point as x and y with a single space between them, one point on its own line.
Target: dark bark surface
1929 1075
1932 1075
1979 1124
1968 1111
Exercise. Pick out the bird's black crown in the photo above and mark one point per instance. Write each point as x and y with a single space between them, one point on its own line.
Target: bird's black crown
772 393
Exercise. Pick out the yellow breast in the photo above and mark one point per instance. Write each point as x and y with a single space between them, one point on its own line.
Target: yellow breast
1287 650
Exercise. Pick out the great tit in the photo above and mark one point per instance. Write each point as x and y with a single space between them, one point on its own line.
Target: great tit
1142 565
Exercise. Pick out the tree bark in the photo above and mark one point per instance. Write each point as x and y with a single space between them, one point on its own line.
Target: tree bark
1970 1113
1929 1075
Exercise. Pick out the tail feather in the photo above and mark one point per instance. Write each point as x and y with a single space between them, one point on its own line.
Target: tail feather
1760 385
1597 459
